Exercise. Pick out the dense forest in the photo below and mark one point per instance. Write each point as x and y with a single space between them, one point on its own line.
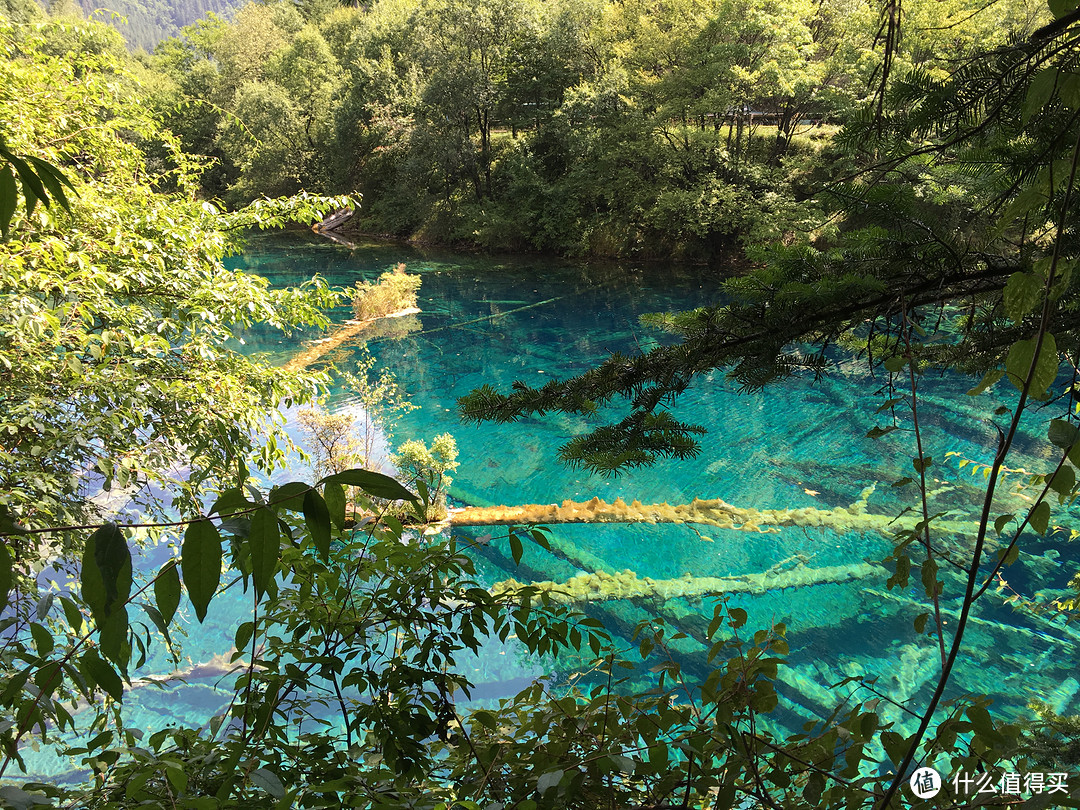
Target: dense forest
888 188
576 127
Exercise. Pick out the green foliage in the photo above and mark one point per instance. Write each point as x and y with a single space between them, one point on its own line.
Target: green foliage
319 649
429 468
40 181
394 291
144 23
1054 741
116 316
578 126
330 440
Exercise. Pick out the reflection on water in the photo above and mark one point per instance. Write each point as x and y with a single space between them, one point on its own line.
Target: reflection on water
796 445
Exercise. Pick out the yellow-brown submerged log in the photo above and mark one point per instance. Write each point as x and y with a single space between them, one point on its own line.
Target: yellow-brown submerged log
602 587
712 512
348 331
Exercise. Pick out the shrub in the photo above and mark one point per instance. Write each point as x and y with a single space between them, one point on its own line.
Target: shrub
428 468
393 292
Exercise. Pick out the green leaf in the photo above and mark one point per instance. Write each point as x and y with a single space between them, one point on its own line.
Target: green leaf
32 188
1009 555
1001 522
895 363
1069 90
43 639
72 614
1039 93
895 746
289 496
515 548
159 622
6 577
231 501
980 720
200 561
548 780
1061 433
1059 8
738 617
334 495
877 432
265 540
991 377
49 677
1019 362
1063 482
102 674
1022 292
167 591
1040 517
243 635
486 719
106 572
920 622
53 179
903 570
268 781
9 199
8 525
539 536
177 777
373 483
44 605
112 635
929 578
317 518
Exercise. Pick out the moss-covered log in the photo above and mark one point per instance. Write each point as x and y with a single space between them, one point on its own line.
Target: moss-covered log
601 587
712 512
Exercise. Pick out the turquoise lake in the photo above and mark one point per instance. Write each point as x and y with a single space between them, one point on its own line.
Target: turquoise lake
798 444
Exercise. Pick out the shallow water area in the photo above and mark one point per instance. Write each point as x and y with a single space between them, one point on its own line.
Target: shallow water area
799 444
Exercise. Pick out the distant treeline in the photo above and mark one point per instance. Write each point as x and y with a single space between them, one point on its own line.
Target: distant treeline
144 23
569 126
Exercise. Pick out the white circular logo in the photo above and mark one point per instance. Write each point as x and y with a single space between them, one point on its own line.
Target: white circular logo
925 783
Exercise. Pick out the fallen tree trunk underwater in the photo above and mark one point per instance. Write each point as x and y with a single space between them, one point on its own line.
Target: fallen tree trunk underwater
711 512
602 587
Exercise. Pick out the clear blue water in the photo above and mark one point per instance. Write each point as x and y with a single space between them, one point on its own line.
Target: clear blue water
798 444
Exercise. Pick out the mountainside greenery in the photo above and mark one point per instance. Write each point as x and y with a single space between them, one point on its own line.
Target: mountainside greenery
142 23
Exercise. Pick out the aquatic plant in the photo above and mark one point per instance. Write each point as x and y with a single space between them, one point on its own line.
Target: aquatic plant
429 468
394 291
602 587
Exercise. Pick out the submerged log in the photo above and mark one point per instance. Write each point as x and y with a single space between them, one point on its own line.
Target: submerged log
712 512
602 587
347 331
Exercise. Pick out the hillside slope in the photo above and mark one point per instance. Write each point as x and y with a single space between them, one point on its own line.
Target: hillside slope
144 23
